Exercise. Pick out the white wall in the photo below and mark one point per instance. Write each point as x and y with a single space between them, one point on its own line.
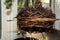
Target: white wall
57 12
8 27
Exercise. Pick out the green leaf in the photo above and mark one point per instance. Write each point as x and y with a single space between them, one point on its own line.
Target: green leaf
20 32
8 1
8 6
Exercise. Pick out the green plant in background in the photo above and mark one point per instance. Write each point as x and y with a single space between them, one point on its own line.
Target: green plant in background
21 32
33 1
8 4
22 4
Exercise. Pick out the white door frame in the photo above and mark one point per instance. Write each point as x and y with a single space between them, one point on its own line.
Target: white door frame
8 27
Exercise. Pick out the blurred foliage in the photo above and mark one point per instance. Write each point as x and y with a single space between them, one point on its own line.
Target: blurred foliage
21 32
26 4
8 4
20 2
